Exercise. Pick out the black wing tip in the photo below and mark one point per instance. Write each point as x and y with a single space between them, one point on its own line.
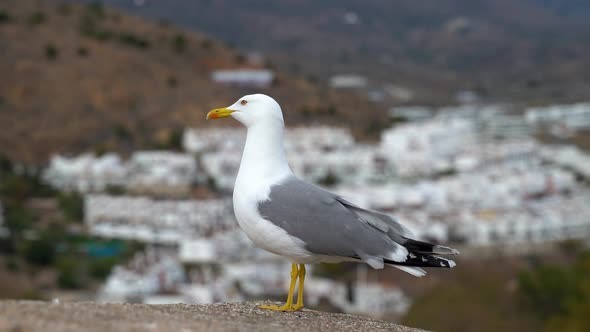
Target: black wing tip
424 261
427 248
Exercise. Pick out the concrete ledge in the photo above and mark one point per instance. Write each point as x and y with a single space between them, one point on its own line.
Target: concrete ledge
88 316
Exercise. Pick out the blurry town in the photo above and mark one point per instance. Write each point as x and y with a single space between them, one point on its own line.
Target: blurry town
503 182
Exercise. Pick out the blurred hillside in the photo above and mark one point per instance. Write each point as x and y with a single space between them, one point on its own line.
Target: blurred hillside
533 51
77 77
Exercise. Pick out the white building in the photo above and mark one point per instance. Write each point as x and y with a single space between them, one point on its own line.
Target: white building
148 273
568 157
227 246
428 147
348 82
85 173
157 172
199 140
161 172
156 221
253 78
552 219
358 164
573 117
322 138
503 126
412 113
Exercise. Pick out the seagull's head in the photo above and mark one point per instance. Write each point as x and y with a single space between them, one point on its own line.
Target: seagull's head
251 110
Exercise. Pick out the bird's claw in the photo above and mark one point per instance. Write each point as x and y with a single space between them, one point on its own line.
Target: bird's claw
297 307
284 308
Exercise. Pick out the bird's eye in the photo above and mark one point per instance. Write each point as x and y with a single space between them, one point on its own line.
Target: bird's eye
243 102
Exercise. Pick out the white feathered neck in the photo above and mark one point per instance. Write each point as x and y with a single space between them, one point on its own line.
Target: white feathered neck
264 158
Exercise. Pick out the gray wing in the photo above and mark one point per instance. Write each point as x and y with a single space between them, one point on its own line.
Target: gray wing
331 226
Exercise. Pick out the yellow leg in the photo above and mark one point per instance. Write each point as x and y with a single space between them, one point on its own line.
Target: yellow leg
299 304
289 305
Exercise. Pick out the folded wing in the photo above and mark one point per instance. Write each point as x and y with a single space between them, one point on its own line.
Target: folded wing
329 225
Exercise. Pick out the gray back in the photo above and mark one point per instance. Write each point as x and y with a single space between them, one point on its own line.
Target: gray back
323 222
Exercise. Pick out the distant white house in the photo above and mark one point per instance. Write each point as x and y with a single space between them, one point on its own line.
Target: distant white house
360 296
412 113
86 172
155 172
255 78
569 157
466 97
348 82
507 126
322 138
549 220
200 140
351 18
147 274
197 251
428 147
399 92
573 117
161 172
156 221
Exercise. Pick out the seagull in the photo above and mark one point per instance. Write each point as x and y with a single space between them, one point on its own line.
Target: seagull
307 224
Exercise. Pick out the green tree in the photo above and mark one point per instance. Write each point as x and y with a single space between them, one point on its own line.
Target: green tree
40 251
51 52
179 43
72 206
68 273
17 218
82 51
547 288
95 10
36 18
133 40
5 165
115 190
100 268
575 313
123 133
206 43
5 17
175 139
19 187
172 82
329 180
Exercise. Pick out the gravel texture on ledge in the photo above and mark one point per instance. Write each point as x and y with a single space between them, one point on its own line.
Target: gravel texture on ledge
24 316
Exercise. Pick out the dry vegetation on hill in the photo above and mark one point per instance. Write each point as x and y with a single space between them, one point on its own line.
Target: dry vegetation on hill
80 77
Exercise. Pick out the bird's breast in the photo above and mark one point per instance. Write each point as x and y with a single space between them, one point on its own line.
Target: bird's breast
262 232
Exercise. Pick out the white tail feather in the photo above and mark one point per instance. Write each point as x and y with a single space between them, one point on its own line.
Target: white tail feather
415 271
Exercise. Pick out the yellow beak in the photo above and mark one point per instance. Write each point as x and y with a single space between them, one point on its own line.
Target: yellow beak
219 113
